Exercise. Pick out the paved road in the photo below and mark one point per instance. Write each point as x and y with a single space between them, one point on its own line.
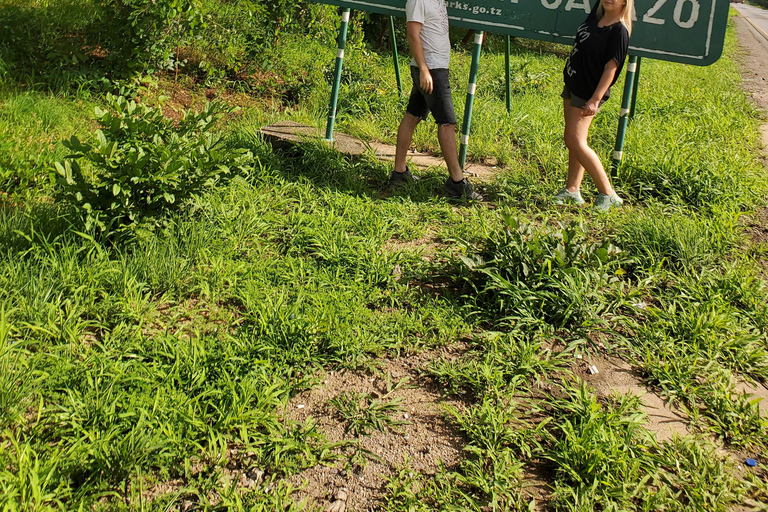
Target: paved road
758 21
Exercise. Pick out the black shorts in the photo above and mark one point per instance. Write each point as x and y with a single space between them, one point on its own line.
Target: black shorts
575 101
440 102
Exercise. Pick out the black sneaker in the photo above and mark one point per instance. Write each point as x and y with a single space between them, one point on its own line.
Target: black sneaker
462 189
401 178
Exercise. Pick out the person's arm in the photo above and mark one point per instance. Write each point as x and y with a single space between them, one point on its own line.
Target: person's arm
417 51
609 71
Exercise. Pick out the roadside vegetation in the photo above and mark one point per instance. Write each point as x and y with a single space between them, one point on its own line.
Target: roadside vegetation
170 284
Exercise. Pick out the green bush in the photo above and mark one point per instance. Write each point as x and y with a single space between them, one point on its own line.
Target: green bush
141 33
145 164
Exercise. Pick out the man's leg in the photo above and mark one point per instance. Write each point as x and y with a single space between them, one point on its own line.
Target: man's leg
446 136
404 136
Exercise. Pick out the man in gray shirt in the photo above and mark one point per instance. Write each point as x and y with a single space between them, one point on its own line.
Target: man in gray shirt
427 31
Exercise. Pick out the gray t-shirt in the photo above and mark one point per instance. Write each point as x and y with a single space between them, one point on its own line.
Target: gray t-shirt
433 16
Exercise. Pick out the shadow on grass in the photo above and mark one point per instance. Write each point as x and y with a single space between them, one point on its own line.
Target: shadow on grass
365 176
36 223
61 47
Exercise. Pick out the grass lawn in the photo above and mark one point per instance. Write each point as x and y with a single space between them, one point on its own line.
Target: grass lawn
294 335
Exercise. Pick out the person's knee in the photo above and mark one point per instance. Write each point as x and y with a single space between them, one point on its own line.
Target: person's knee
573 142
411 119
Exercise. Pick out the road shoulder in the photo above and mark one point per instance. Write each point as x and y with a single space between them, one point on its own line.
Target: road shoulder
753 60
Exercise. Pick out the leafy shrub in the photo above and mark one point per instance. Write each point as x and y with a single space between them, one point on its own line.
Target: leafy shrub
138 33
145 164
242 35
552 274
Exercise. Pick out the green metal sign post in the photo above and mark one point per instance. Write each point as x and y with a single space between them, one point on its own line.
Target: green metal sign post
684 31
337 74
470 98
634 89
395 56
508 69
629 83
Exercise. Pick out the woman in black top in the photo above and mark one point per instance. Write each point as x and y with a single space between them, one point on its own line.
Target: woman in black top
592 68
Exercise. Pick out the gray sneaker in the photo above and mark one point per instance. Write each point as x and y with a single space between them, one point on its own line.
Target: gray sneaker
462 189
604 202
401 178
566 197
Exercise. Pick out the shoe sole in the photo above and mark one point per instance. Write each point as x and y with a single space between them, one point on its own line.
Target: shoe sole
611 206
462 197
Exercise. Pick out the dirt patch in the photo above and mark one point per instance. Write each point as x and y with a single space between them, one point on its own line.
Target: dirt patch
757 392
756 225
426 246
190 317
425 441
617 376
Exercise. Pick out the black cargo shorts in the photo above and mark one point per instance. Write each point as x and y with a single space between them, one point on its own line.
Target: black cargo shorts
439 102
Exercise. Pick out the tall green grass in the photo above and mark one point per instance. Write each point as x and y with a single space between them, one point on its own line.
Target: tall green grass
168 356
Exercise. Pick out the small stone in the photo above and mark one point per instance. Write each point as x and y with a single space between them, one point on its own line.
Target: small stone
300 406
246 482
405 415
341 494
578 356
593 369
336 506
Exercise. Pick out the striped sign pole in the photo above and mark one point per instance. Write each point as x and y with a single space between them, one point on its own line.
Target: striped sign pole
471 88
337 75
509 78
629 82
635 86
395 56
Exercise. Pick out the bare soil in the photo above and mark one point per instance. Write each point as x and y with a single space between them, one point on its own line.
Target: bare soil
617 376
424 442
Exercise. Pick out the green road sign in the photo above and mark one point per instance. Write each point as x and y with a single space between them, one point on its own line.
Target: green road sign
687 31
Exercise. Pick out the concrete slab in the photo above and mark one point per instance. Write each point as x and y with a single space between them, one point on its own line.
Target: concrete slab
286 134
